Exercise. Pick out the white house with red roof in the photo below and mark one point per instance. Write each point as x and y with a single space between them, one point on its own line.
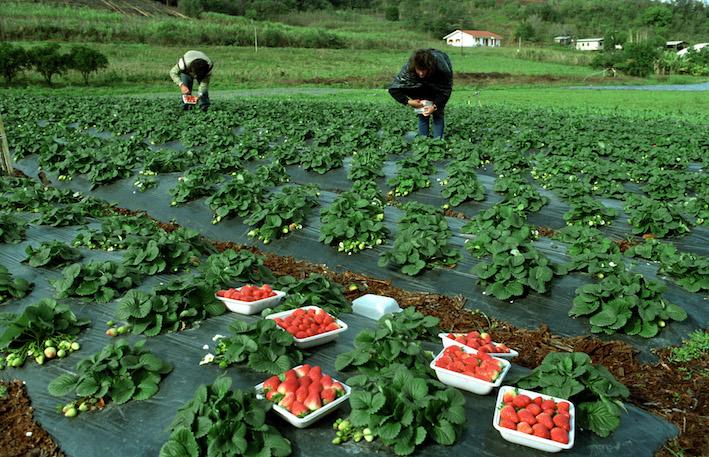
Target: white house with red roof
473 38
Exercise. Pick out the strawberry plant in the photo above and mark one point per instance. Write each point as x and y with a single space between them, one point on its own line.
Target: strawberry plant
12 287
260 345
411 175
73 214
100 281
366 165
666 185
43 331
119 373
499 222
661 219
12 228
234 267
688 270
169 161
115 231
698 207
519 194
462 183
597 395
51 254
395 340
514 268
587 211
422 241
197 182
283 212
591 251
316 290
625 302
220 422
405 409
321 159
23 194
354 221
166 252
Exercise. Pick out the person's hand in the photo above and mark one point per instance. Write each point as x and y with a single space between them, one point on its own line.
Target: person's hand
428 110
184 89
415 103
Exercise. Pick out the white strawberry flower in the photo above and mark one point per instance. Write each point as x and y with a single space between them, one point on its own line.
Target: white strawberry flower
209 358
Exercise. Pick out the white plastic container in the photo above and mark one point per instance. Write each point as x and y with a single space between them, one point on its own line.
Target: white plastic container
451 342
536 442
465 382
374 306
425 103
302 422
314 340
251 307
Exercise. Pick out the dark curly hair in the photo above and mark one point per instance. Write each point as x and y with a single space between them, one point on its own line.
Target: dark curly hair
201 68
422 59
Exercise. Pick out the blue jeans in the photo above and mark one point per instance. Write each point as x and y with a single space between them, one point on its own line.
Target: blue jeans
438 124
203 100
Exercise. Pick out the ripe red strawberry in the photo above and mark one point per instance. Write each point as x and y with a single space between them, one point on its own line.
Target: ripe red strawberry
521 401
548 404
315 373
537 401
508 424
313 401
315 387
508 413
526 416
541 431
274 396
327 396
288 375
562 421
546 420
301 394
534 408
287 401
330 327
299 409
271 383
326 381
550 412
524 428
302 370
559 435
563 405
288 386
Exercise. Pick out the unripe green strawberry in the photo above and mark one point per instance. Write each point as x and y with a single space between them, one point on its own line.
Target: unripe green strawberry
71 412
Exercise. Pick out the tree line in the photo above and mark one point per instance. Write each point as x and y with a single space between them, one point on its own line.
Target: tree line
48 61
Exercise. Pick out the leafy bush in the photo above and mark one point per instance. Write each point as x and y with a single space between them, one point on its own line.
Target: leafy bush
51 254
594 391
12 228
354 221
283 213
12 287
14 59
220 422
101 281
48 61
86 60
646 215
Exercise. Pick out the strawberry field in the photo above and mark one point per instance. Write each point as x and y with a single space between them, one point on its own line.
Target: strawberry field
590 224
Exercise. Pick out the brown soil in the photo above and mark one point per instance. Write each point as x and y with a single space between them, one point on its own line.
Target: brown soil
678 392
20 436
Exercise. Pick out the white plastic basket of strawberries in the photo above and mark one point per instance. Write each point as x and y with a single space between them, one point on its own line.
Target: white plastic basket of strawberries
480 342
309 325
467 369
304 394
249 299
535 420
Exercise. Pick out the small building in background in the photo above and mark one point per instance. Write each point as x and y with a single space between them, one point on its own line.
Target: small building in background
589 44
696 48
473 38
676 45
565 40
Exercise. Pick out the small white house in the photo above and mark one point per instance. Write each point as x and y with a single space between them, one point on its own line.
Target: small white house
562 39
677 45
697 47
589 44
473 38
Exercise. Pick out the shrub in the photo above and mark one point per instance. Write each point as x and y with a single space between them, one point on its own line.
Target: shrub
48 61
86 61
639 59
14 59
392 13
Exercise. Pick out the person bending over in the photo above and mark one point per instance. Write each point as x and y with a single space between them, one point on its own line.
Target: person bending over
425 83
193 66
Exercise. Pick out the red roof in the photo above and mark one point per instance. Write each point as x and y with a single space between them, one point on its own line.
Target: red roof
481 34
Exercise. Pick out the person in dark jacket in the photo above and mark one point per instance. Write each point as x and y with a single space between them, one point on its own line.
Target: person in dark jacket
425 83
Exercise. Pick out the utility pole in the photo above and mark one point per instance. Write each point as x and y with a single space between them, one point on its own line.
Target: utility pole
5 150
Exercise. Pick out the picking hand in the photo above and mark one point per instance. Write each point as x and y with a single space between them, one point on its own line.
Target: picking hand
428 110
184 89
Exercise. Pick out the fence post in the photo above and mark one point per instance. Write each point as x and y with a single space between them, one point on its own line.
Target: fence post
5 149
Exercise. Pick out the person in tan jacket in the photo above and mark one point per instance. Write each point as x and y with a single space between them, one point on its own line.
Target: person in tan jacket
193 66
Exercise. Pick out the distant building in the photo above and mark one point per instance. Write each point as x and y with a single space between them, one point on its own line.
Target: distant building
589 44
562 40
676 45
697 47
473 38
